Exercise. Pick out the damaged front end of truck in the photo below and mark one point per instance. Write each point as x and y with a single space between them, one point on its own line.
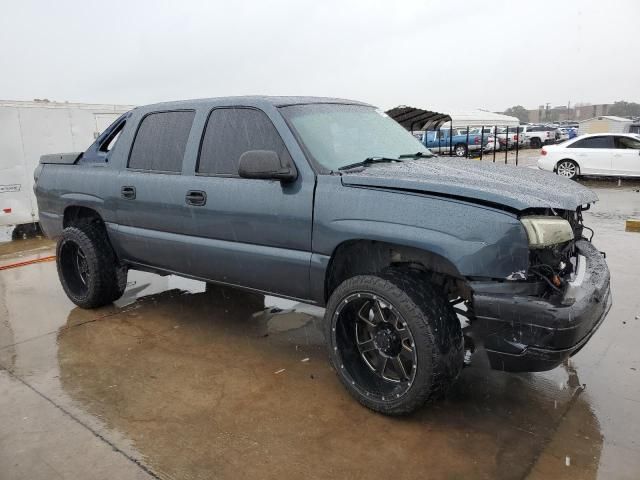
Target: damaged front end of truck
537 318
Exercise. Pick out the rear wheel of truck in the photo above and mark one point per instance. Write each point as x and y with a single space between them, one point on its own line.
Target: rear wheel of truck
88 268
460 150
536 143
394 340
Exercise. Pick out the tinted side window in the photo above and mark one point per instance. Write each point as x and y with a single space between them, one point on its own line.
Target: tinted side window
593 142
627 143
161 141
111 141
232 131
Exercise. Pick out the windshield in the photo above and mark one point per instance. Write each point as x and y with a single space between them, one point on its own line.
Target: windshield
337 135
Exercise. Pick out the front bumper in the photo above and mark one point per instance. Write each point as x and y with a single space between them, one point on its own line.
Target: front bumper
525 333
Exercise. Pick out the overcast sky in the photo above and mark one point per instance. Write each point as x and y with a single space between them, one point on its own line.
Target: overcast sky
439 55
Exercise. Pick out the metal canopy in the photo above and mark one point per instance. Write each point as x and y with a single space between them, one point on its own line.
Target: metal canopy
413 118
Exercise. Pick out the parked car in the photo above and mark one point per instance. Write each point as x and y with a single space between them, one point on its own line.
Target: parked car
537 135
569 132
510 137
593 154
500 133
441 141
562 134
492 144
486 135
331 202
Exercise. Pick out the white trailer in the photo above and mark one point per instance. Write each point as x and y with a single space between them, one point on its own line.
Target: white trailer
31 129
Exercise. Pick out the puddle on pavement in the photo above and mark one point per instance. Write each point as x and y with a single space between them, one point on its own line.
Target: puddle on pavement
202 384
18 248
222 377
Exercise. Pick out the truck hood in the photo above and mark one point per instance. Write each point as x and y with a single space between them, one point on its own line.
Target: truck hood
518 188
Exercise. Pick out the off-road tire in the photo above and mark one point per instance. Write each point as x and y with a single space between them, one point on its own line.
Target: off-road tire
107 279
432 322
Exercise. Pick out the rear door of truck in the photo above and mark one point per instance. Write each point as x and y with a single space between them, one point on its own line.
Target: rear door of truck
150 200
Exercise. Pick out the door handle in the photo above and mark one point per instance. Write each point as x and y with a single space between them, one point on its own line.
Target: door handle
196 198
128 192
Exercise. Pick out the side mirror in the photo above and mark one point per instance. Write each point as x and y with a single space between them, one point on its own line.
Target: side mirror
265 164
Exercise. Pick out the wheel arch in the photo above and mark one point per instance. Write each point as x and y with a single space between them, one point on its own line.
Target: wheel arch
362 256
78 214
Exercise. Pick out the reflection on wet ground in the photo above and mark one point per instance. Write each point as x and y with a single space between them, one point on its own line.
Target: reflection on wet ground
218 383
22 246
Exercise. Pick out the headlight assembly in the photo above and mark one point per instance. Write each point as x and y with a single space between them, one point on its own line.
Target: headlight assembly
546 231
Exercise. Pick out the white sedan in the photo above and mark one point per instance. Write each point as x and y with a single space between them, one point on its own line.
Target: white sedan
609 154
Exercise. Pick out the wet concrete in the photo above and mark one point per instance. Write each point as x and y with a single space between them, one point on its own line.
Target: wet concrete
19 249
178 382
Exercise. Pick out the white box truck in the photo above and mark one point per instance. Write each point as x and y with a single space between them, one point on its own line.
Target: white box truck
29 129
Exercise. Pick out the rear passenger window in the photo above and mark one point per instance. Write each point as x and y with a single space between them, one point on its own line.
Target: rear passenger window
161 141
232 131
593 142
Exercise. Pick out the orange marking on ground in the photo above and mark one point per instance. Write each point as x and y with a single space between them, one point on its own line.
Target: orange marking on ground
28 262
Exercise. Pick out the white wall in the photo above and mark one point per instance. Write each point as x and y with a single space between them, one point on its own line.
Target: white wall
31 129
603 125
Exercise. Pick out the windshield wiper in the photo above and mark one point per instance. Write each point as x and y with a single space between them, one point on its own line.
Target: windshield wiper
417 155
369 161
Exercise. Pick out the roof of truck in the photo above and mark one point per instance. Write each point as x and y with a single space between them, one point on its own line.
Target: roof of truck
278 101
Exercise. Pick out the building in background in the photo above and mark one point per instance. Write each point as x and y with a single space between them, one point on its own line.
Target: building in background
605 124
564 113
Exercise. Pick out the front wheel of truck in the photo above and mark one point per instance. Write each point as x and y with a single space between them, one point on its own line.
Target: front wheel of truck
394 340
88 268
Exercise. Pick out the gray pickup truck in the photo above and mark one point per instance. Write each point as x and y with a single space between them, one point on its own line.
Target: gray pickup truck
419 260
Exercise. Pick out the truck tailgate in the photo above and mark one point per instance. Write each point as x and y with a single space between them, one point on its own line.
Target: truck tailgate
61 158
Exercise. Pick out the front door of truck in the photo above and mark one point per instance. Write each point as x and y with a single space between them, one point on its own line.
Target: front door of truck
250 232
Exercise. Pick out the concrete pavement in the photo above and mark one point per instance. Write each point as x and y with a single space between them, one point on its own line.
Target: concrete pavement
177 382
